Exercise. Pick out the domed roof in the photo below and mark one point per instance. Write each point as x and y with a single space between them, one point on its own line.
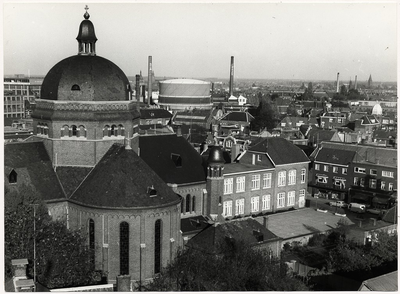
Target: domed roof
377 109
85 78
216 155
86 30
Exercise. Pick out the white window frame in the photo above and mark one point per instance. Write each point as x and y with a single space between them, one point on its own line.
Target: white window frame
239 206
326 168
322 179
335 169
360 170
373 172
302 193
292 177
291 198
362 182
228 186
255 182
280 200
317 166
356 181
259 157
267 180
227 208
387 174
344 170
266 202
390 187
240 184
282 178
383 185
255 204
303 175
372 183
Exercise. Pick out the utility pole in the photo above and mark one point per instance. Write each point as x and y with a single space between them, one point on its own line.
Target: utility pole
34 244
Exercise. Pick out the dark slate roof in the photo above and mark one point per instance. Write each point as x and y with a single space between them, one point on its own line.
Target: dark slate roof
161 153
71 176
391 215
384 283
242 229
343 157
122 180
33 158
383 134
280 151
238 116
318 135
193 224
151 113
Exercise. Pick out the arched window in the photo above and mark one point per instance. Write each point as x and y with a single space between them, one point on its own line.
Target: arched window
182 204
74 131
121 130
65 131
75 88
12 177
193 203
157 246
188 203
124 248
106 130
114 130
91 239
82 131
45 130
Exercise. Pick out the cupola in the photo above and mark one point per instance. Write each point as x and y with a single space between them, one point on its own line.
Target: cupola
86 36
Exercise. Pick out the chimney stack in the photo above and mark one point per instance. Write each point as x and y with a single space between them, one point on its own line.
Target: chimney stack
231 76
137 89
337 83
144 93
149 80
265 222
355 84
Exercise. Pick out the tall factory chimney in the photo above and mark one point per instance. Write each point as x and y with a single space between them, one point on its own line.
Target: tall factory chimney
231 76
137 89
337 83
355 83
149 81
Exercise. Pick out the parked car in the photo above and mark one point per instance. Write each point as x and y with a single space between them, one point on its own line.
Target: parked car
338 203
376 211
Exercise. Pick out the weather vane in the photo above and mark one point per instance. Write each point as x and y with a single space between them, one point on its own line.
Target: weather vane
86 8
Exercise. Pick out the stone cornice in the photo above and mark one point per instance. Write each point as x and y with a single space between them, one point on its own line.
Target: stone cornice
86 106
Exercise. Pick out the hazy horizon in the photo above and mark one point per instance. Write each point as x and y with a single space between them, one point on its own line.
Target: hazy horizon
270 41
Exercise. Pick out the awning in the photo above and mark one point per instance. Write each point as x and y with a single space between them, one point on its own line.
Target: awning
380 200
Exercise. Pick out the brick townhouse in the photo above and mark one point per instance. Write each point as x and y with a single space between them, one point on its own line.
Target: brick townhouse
355 173
270 176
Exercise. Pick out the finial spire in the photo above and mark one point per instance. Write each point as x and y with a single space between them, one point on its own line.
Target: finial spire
86 15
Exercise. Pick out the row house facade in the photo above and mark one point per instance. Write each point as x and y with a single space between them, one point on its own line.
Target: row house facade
355 173
262 181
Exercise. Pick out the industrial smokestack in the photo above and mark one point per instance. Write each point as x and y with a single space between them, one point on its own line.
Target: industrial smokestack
355 84
149 82
137 89
144 93
337 83
231 76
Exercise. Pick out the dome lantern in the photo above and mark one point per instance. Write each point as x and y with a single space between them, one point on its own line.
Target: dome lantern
86 36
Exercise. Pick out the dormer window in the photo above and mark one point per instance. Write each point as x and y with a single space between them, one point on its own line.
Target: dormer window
12 177
177 159
151 191
75 88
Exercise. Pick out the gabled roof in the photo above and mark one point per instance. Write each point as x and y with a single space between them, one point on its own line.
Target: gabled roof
280 151
369 120
318 135
32 158
151 113
384 283
159 153
194 224
342 157
71 176
237 116
241 229
122 179
367 154
383 134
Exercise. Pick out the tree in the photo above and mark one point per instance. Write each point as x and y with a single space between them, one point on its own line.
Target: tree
267 117
235 267
63 258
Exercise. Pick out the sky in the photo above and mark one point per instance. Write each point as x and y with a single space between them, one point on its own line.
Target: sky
269 40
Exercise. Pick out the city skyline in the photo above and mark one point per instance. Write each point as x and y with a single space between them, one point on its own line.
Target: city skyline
309 41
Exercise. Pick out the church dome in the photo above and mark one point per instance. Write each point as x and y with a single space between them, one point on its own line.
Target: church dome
377 109
85 77
216 155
